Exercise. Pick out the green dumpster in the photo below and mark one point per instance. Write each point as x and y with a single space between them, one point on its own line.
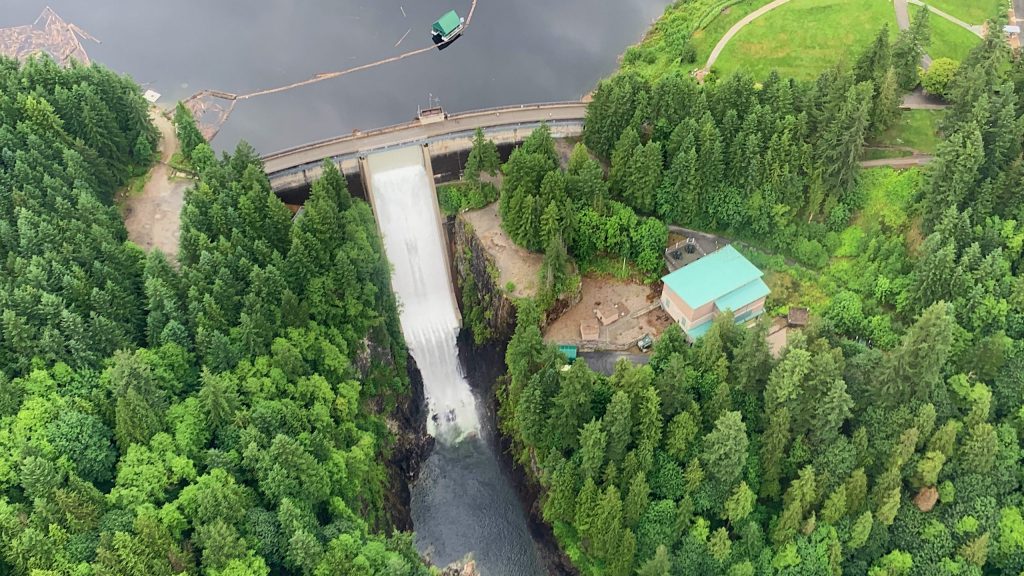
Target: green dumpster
570 352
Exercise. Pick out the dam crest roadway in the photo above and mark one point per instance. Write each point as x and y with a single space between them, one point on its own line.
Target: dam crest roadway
299 166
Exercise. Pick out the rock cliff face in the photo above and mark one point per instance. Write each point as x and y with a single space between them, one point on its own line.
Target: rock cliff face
480 295
408 423
464 567
496 310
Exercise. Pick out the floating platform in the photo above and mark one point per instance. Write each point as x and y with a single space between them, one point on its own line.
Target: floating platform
448 27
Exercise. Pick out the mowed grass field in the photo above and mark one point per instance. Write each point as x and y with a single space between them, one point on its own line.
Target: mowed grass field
917 129
704 40
948 39
970 11
804 37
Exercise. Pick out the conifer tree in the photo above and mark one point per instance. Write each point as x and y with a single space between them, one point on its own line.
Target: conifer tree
909 48
593 446
483 157
188 133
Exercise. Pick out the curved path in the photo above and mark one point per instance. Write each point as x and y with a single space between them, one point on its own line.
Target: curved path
739 26
902 20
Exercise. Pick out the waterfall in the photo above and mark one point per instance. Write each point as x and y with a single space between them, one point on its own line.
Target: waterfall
464 502
430 320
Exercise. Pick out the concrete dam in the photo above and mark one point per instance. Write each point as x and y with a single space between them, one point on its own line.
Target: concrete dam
446 136
463 503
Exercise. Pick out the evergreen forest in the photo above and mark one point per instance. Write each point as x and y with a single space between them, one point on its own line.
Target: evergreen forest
885 440
223 414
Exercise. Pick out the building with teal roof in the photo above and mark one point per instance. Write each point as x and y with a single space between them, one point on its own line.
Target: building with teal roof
724 280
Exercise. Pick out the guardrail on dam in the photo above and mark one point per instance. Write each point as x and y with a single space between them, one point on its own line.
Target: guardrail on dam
298 167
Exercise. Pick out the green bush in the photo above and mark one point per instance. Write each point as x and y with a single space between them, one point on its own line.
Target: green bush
938 76
639 55
463 196
688 54
810 253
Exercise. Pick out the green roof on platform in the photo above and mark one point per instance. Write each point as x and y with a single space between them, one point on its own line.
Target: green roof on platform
447 24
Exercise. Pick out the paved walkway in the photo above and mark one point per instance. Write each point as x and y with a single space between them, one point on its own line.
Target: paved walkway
604 362
739 26
903 22
918 100
416 131
976 29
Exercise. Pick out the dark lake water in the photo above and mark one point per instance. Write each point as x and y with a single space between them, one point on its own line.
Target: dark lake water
516 51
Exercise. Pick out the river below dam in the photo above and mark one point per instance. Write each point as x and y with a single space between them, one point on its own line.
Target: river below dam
514 52
464 501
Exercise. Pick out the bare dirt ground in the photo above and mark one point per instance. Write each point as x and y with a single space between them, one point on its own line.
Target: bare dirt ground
778 337
153 216
610 296
515 264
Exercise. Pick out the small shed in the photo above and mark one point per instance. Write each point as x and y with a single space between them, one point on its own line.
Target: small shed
590 330
798 317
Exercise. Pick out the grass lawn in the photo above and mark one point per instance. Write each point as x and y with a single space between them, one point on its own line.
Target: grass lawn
970 11
659 52
948 39
704 40
804 37
917 129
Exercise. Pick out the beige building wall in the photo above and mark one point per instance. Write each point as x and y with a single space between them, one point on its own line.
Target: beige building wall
755 305
688 317
681 312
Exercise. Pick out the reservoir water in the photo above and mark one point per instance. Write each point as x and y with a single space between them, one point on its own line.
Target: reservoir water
515 52
464 502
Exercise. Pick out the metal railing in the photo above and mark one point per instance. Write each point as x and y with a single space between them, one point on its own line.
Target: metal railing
414 124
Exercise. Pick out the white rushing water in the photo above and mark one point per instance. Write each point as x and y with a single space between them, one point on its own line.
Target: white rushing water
408 220
463 502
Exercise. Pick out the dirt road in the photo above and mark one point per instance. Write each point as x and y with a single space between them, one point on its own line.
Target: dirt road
153 216
899 163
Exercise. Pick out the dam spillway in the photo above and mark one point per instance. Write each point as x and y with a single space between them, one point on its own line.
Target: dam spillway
405 205
463 502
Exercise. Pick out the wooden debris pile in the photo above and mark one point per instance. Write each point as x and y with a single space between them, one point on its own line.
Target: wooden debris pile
211 109
49 34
